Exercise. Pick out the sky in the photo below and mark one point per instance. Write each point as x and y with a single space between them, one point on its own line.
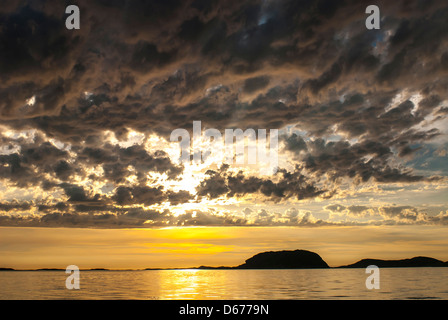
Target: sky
89 174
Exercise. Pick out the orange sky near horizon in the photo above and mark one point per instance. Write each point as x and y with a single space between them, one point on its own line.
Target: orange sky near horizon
178 247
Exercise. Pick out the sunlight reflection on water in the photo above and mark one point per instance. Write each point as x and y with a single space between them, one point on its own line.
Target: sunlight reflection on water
398 283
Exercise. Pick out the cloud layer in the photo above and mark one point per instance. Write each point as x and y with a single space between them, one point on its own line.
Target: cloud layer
86 114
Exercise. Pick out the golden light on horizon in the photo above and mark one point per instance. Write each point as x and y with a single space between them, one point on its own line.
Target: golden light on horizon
180 247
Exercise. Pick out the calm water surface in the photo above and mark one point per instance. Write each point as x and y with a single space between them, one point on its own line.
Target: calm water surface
395 283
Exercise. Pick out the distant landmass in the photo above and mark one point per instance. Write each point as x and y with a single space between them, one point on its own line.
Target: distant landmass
404 263
295 259
303 259
51 269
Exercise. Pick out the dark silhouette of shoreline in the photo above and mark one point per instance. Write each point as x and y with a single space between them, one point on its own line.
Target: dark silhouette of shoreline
288 259
403 263
298 259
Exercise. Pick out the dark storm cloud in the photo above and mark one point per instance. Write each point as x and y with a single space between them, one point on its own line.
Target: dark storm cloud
15 205
154 66
254 84
289 184
367 159
39 162
115 161
199 47
75 193
29 166
148 196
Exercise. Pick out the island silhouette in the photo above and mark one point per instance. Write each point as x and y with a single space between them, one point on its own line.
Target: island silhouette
295 259
404 263
303 259
298 259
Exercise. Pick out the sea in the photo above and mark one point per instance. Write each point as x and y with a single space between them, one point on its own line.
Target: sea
290 284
